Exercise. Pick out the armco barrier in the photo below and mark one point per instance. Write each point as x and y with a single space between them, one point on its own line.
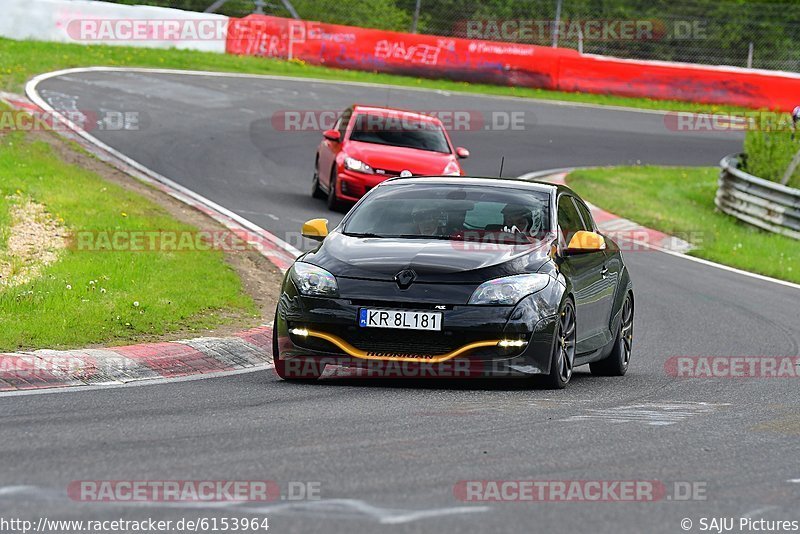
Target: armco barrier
768 205
508 63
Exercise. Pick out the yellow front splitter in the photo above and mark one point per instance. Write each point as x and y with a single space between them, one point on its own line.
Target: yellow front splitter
365 355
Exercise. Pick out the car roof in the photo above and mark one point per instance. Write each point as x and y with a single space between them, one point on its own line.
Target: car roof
395 111
488 181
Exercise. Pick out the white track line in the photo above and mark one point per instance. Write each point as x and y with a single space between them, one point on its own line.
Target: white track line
561 103
537 175
136 383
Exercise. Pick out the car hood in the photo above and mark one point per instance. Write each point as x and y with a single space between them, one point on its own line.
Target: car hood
433 260
395 158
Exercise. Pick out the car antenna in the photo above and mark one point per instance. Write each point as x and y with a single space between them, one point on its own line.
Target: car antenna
502 162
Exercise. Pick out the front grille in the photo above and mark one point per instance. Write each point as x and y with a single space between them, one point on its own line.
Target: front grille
405 341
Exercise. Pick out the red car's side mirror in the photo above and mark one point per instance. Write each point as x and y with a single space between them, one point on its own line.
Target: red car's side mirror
462 152
332 135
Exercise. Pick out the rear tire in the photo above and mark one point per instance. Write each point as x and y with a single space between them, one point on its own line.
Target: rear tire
563 356
316 190
616 364
309 373
334 204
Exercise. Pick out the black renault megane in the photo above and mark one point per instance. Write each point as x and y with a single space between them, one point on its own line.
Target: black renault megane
456 276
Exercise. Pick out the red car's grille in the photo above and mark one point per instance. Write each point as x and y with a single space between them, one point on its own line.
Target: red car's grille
387 172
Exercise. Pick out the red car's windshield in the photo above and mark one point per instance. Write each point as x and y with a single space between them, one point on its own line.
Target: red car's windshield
397 130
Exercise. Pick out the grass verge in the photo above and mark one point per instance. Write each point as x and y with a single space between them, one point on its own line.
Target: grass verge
680 201
20 60
90 297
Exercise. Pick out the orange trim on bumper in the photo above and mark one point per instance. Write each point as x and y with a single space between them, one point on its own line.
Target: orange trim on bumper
372 355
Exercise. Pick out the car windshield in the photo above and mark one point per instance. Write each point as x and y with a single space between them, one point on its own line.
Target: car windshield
502 215
398 130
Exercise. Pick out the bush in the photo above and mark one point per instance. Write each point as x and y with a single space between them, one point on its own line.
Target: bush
769 151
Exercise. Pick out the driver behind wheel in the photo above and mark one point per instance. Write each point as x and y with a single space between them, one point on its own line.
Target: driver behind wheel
427 220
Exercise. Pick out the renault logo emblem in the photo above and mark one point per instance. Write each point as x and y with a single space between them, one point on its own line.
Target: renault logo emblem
405 278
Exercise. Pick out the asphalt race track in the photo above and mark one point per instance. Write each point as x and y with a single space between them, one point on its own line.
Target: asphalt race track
390 453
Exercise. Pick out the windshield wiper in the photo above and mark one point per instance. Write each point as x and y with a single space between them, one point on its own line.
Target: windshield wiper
421 236
362 234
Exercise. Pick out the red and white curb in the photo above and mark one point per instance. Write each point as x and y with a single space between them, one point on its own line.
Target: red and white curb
87 368
42 369
620 229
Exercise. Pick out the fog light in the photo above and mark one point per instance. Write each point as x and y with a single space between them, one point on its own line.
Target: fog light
506 343
302 332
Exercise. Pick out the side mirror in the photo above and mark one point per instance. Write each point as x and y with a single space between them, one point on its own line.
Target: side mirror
332 135
316 229
583 242
462 152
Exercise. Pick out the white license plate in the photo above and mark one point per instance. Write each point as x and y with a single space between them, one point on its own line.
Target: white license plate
403 319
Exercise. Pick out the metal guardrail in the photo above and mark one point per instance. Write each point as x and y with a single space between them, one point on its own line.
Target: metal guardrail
768 205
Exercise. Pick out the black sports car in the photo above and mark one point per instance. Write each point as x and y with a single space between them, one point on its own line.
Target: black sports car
455 276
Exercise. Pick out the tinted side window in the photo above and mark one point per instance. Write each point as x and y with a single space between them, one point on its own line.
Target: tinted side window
586 215
344 120
569 221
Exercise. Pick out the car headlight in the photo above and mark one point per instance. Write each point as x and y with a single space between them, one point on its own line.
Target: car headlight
451 169
357 165
314 281
509 290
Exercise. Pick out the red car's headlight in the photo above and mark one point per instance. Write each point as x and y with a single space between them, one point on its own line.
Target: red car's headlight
357 165
452 169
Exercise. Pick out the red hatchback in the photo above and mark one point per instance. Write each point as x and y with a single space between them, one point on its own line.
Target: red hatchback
370 144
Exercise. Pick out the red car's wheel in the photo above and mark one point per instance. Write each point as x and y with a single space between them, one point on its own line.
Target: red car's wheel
334 204
316 190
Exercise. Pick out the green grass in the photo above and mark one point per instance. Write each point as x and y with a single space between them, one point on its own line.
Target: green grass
680 201
20 60
4 221
175 291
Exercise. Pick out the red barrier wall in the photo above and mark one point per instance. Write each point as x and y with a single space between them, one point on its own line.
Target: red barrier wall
507 63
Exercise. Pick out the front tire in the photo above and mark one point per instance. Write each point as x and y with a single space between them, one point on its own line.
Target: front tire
616 364
334 204
563 357
316 190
